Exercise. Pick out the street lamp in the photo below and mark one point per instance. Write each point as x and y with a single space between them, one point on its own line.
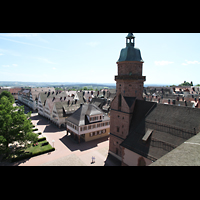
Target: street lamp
53 142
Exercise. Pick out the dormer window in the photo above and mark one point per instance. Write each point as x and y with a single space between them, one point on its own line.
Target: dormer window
95 118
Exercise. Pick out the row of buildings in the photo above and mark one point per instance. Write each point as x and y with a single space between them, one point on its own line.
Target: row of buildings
58 105
177 95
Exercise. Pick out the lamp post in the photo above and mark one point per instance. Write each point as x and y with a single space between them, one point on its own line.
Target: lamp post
53 142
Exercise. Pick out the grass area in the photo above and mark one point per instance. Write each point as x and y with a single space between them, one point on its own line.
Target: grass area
39 148
32 151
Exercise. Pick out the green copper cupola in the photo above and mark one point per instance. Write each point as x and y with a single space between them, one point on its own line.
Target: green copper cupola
130 53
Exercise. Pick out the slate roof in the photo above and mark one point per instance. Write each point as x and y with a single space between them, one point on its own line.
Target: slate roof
129 100
172 125
187 154
79 116
98 102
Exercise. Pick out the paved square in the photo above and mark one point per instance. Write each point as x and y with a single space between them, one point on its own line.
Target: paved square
68 152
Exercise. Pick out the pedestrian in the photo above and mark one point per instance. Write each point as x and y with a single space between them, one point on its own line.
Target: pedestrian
93 159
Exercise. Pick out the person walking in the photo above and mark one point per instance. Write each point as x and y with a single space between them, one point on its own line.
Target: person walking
93 159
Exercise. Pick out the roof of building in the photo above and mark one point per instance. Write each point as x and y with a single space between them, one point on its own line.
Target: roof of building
171 125
130 100
79 116
187 154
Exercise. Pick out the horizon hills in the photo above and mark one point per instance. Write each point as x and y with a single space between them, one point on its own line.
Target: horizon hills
64 84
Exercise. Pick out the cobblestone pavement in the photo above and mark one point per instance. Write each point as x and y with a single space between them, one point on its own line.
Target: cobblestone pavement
68 152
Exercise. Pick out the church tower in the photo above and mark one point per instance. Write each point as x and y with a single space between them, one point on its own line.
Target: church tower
129 86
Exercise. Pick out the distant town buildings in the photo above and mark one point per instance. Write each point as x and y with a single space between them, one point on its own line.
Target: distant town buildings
13 91
30 96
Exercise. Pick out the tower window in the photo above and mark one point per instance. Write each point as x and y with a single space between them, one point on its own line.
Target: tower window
118 129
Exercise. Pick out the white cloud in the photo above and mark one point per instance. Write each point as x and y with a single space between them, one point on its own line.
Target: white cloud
92 44
45 60
1 54
53 68
39 38
15 65
162 63
5 66
190 62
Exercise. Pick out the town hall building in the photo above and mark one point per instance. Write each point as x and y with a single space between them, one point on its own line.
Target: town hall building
141 132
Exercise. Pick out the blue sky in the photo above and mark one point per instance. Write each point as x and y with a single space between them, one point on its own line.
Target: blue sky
169 58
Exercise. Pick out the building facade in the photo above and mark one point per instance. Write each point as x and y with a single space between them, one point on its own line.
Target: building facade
129 85
88 123
30 96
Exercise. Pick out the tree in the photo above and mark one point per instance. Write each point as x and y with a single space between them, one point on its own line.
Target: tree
186 84
14 126
85 88
9 95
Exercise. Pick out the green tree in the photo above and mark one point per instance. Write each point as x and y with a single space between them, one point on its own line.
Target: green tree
14 126
85 88
9 95
186 84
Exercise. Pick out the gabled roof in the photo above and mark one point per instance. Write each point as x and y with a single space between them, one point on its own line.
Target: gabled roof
171 126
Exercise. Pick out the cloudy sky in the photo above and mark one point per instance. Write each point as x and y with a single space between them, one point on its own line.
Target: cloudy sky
169 58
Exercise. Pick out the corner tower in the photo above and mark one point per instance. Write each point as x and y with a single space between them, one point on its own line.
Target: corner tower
129 85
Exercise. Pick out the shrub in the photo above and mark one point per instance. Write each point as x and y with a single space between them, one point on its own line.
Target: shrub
41 139
29 155
45 143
